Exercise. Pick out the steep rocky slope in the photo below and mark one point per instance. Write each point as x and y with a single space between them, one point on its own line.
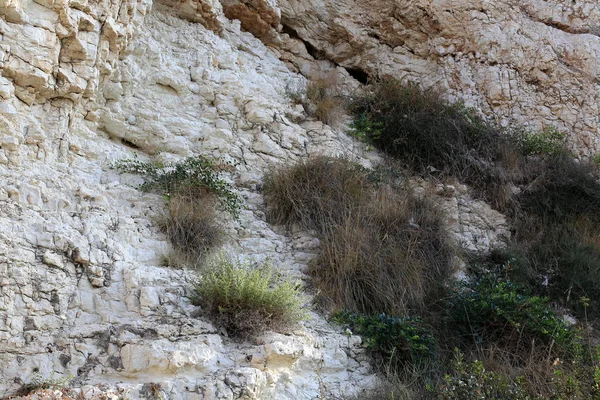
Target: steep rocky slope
84 84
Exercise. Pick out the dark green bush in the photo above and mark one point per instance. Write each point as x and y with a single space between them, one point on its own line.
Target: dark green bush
393 341
563 263
564 191
418 127
493 310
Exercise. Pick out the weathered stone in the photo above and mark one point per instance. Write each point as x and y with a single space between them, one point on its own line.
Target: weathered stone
79 246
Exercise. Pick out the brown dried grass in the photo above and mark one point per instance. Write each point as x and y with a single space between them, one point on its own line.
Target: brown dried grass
382 249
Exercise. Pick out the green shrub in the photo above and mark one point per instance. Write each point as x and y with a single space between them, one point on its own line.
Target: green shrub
382 249
248 300
562 263
549 141
394 341
194 176
471 381
493 310
365 129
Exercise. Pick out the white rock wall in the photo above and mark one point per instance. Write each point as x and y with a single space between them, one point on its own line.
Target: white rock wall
531 62
81 290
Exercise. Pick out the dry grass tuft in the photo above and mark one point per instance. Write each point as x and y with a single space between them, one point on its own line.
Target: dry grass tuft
315 192
383 250
322 100
325 103
192 227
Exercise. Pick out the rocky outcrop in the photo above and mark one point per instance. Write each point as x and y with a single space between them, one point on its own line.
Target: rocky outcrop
83 84
530 62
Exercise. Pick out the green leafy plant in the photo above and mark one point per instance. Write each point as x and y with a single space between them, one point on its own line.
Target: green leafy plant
549 141
365 129
393 340
471 381
248 299
490 309
193 176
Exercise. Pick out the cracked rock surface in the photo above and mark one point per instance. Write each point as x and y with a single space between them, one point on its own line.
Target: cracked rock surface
83 84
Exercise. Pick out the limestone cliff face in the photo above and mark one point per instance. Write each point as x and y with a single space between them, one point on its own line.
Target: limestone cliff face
85 83
532 62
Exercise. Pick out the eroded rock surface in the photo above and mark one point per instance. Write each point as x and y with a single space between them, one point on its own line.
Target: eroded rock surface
83 84
533 62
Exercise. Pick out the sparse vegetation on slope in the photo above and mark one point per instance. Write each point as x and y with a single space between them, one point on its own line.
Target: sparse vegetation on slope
384 258
194 191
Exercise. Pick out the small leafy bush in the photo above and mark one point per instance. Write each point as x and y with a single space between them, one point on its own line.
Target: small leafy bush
248 299
194 176
471 381
394 341
549 141
577 381
365 129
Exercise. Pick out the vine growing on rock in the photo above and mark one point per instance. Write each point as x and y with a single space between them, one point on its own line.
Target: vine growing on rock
191 176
